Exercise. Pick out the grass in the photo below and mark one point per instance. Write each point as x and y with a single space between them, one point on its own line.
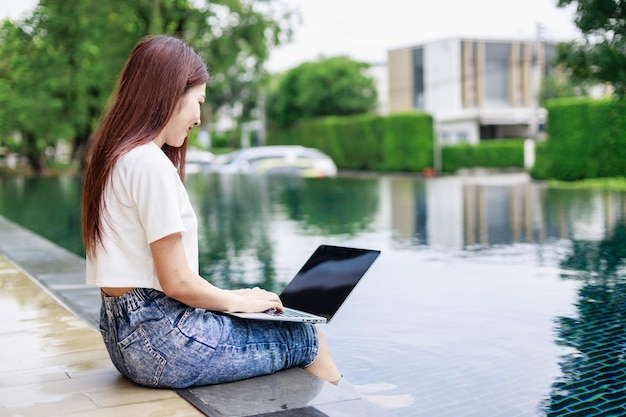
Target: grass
609 184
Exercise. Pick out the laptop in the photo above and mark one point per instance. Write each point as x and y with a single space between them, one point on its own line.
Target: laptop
321 286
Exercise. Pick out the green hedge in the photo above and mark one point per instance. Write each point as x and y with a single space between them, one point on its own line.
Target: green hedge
408 143
586 139
401 142
505 153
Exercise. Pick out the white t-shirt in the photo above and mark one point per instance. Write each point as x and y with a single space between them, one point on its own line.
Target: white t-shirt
145 200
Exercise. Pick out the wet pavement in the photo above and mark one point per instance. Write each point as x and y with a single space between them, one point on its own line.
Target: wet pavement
54 364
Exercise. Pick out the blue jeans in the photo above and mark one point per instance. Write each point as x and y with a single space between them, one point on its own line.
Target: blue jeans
157 341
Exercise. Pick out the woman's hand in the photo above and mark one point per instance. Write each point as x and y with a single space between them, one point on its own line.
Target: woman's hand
254 300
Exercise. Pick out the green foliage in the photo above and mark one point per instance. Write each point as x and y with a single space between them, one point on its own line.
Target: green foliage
605 184
59 65
553 86
594 131
401 142
487 154
225 140
601 57
542 163
408 142
236 44
30 96
329 87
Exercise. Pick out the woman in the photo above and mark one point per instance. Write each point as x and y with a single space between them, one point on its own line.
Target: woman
158 316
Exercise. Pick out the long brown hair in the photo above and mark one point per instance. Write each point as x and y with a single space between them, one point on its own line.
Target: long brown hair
159 70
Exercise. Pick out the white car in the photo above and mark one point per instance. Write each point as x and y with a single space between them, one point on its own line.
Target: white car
197 160
274 160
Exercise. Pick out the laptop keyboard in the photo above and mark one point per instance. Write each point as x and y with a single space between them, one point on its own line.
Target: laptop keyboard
287 313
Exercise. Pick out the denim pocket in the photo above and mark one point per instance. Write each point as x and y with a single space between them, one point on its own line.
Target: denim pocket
143 363
201 327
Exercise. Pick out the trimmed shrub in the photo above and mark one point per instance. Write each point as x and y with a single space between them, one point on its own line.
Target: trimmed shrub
506 153
587 139
402 142
408 142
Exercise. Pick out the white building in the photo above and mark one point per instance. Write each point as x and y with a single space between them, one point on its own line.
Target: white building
378 71
474 89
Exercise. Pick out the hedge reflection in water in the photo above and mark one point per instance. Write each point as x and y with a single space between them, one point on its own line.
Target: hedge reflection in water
49 206
248 225
239 219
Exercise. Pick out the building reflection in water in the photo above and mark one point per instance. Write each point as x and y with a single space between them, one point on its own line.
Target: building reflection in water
476 212
465 212
250 216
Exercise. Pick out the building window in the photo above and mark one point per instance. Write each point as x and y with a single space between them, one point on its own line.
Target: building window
418 78
451 137
497 74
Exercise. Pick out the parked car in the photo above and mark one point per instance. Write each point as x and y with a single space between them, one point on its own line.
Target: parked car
197 160
276 160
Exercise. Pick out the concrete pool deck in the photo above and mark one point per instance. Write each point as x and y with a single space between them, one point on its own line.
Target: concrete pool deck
55 363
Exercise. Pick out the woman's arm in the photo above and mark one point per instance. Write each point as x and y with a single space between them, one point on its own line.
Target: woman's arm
181 283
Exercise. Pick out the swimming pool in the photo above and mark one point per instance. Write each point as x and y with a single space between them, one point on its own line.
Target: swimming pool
493 295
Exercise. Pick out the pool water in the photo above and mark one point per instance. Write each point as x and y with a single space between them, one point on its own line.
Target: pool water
493 295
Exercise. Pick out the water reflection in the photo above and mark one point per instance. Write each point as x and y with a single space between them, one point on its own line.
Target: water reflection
583 214
477 212
243 219
471 213
50 206
234 226
336 207
240 218
470 255
593 372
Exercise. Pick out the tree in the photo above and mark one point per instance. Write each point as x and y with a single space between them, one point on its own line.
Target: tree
331 86
601 56
62 61
29 104
87 42
558 86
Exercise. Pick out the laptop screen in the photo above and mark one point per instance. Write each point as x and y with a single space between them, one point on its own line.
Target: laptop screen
327 278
